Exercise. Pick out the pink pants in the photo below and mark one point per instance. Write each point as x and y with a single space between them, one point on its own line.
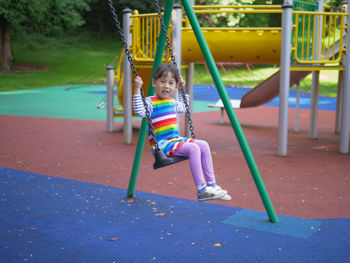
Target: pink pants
200 161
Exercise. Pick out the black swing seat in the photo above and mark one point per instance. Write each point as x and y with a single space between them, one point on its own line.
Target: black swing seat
162 160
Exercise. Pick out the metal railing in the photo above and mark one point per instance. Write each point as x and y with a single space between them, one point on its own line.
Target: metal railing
145 32
318 37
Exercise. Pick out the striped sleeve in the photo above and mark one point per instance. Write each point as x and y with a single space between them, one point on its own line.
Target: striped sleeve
139 108
180 104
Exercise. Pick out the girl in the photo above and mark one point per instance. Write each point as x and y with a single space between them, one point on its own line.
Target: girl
163 109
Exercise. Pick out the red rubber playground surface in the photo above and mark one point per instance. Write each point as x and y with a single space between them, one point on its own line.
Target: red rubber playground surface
310 184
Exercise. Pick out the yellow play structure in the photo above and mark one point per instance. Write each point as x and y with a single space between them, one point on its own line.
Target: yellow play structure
252 45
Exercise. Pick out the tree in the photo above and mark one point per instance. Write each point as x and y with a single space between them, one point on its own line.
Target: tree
49 17
5 46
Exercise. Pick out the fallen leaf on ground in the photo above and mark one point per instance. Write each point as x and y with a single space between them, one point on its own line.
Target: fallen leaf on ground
160 214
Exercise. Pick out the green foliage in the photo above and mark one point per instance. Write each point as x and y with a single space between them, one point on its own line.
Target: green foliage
222 19
53 17
334 3
99 19
49 17
238 20
275 20
256 20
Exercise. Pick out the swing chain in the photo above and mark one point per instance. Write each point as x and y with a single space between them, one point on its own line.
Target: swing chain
121 35
171 52
128 54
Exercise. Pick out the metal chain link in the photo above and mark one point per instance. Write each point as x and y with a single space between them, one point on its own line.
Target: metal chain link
128 54
171 52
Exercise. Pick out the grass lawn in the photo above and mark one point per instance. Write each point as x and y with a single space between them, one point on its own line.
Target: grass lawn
42 62
81 59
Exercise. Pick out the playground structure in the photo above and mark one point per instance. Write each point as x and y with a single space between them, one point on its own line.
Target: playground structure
318 41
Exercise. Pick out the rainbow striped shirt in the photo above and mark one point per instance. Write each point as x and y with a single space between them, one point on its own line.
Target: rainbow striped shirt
164 121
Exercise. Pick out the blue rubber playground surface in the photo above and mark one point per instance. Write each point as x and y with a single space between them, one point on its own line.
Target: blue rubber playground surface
209 93
50 219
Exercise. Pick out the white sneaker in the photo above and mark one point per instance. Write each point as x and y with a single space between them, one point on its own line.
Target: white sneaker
212 193
216 189
226 198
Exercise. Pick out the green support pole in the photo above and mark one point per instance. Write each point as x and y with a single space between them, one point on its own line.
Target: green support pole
230 112
143 130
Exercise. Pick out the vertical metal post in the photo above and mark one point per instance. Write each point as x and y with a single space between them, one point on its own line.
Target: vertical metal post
143 130
338 107
285 77
314 104
316 74
230 112
110 98
176 42
345 113
127 93
319 23
297 105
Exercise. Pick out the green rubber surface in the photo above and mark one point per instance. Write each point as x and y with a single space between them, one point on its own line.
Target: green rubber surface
66 102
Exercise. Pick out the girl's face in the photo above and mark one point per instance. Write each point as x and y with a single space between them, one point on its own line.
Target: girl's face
164 86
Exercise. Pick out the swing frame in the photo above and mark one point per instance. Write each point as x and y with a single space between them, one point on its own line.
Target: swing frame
224 97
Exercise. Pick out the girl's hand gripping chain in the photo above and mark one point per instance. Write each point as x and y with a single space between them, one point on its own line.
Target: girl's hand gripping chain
137 85
181 83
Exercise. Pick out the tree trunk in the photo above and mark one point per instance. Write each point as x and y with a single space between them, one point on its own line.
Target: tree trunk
6 57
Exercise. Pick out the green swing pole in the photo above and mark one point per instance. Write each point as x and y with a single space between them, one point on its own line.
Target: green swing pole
231 114
143 129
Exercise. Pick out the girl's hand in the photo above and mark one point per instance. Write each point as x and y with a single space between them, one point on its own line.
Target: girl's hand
137 85
181 82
